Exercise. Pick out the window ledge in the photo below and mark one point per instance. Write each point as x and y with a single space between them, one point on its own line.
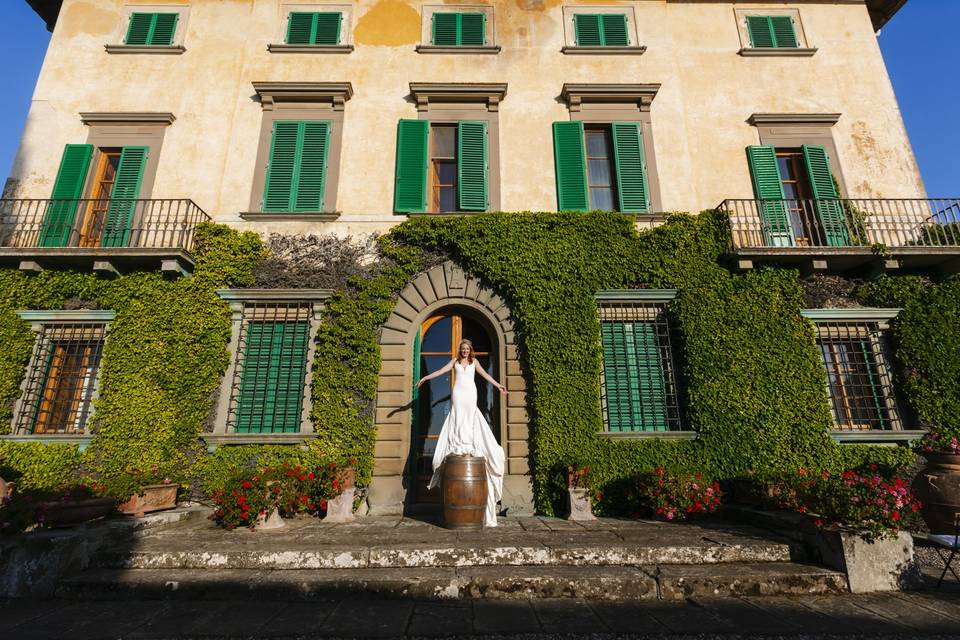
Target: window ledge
878 436
797 52
172 50
254 216
310 48
83 440
649 435
430 48
221 439
449 214
604 51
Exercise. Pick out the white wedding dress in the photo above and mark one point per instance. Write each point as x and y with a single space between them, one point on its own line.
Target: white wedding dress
466 432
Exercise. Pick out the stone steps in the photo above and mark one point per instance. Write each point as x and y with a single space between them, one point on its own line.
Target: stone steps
668 582
425 555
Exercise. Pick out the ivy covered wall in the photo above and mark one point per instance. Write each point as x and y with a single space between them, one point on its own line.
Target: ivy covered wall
753 386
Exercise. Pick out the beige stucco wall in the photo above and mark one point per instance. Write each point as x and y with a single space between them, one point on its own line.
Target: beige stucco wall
699 116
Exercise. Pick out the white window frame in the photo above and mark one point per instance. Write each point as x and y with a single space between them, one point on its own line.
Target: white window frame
803 48
345 45
426 29
117 40
570 36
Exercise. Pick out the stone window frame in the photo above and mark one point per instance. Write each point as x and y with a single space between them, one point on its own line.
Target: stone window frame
803 49
664 297
346 29
179 36
882 318
39 320
238 299
426 23
608 103
299 101
570 39
451 102
792 130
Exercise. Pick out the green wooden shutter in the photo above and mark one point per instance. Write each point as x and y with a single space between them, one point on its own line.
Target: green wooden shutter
164 28
586 30
279 189
300 27
614 30
410 186
777 230
472 29
633 377
472 165
876 393
126 189
314 147
630 166
784 34
761 32
445 29
571 166
138 31
67 189
826 203
327 30
273 375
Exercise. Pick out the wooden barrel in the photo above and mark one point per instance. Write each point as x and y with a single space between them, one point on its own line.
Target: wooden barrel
463 488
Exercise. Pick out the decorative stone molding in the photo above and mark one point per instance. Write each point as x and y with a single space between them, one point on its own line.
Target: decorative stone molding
604 51
132 118
644 295
750 52
758 119
310 48
431 48
576 94
490 94
335 93
173 50
66 317
863 314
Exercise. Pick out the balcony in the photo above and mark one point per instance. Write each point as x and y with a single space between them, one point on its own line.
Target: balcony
109 236
868 236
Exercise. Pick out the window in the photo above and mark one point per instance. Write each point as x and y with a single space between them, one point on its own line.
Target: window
856 356
798 202
638 387
441 167
462 29
298 165
298 157
601 30
600 167
151 29
263 393
61 382
772 32
319 28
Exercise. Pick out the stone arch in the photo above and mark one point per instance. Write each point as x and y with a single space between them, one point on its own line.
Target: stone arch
445 285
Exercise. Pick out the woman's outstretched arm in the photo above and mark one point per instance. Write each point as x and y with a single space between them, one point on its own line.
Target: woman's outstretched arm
438 372
486 376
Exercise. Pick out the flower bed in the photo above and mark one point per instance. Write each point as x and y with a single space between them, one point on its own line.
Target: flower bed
676 496
940 441
289 489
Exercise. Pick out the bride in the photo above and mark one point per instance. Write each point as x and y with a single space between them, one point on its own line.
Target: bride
465 432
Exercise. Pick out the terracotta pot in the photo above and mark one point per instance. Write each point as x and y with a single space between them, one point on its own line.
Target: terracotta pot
938 488
154 497
580 505
68 514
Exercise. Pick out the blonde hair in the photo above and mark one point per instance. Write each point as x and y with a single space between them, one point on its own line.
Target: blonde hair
469 355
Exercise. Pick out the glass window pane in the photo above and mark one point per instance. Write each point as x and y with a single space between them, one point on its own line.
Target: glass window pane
786 168
438 337
597 144
447 172
444 139
448 199
475 333
599 173
601 198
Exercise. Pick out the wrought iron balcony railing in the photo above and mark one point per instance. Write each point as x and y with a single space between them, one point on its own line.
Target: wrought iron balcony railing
98 225
837 223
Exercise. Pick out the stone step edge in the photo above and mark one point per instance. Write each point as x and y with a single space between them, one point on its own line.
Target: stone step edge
674 582
447 556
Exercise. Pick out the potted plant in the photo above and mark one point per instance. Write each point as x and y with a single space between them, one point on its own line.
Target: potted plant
578 493
71 506
340 506
677 496
938 483
153 492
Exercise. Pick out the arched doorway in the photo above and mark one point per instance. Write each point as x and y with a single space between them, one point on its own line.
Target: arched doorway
434 345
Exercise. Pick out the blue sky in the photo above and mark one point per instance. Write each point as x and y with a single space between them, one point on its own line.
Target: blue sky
919 46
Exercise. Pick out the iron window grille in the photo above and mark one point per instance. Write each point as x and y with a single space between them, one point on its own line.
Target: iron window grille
269 380
638 382
61 379
856 356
